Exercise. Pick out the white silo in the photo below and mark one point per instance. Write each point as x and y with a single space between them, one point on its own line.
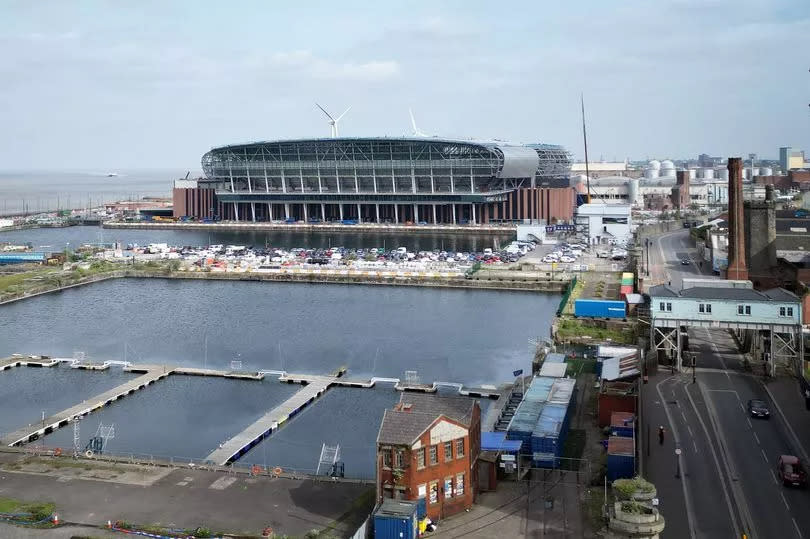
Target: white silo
723 174
651 173
692 173
766 171
755 171
707 173
667 168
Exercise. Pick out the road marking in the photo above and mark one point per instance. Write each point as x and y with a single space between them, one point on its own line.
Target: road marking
784 500
683 415
690 431
798 531
764 456
690 516
750 425
222 483
756 437
694 444
773 475
741 404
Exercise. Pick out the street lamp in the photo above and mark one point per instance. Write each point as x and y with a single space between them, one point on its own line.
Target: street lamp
647 243
694 367
678 462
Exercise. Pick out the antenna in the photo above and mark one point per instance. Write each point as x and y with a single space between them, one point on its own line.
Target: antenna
416 131
585 140
333 122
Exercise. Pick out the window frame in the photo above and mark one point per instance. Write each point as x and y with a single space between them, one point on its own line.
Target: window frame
399 459
433 488
420 458
387 452
434 455
790 312
460 480
460 449
448 492
448 455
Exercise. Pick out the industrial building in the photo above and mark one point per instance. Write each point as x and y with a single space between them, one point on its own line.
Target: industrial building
605 223
427 450
397 180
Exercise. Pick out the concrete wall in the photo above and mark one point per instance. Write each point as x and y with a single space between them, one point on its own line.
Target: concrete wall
760 236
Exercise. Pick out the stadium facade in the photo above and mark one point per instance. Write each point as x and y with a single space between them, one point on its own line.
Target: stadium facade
398 180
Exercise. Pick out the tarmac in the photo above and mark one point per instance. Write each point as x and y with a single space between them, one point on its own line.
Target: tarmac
187 499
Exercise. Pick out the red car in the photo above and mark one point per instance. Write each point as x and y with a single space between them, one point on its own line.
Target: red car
790 471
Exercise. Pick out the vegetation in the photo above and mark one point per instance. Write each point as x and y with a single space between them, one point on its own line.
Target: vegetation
595 508
25 511
625 488
635 508
573 448
576 366
569 329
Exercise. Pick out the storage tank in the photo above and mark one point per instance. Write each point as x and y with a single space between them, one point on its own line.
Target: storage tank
755 171
651 173
724 174
654 164
708 173
667 168
766 171
692 173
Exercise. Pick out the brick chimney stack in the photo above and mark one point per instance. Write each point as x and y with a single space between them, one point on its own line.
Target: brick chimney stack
737 269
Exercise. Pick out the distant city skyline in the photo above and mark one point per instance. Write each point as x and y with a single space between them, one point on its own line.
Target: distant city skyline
94 86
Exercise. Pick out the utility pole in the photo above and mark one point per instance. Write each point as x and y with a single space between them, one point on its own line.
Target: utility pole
585 141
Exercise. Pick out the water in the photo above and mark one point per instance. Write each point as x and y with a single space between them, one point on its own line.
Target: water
470 336
26 392
358 412
180 416
34 191
56 239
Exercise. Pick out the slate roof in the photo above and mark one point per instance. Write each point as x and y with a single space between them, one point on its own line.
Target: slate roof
403 426
740 294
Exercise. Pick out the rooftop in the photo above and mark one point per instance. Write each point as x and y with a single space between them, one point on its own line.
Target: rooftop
742 294
415 412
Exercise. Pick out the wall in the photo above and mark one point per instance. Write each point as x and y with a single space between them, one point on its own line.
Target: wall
609 403
760 236
764 312
192 202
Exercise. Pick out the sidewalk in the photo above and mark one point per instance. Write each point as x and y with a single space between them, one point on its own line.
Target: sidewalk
787 394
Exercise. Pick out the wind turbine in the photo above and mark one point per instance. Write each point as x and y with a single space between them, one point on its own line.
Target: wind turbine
416 131
333 122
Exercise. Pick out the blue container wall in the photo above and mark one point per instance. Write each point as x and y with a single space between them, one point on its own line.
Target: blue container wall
394 528
421 508
600 308
626 432
620 467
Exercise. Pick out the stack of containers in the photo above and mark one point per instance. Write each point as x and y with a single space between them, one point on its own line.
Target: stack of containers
622 424
525 418
626 285
621 462
548 436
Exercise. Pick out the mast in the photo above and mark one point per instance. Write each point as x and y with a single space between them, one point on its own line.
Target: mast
585 140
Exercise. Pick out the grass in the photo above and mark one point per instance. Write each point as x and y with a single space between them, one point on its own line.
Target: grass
576 366
570 329
37 510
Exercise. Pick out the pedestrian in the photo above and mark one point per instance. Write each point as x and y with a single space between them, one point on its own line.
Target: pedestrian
669 283
661 435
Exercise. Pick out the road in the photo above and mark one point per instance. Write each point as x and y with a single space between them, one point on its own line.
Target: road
723 484
666 253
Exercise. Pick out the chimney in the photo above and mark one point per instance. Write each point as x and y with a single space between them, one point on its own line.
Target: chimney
737 269
769 193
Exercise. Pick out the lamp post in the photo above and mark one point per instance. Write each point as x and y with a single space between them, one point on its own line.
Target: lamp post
694 367
678 462
647 243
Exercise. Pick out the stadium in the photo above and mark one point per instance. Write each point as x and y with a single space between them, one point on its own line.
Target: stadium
380 180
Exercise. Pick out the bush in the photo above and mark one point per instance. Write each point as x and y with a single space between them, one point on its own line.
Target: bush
625 488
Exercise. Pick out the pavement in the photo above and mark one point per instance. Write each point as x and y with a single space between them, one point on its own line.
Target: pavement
186 499
666 253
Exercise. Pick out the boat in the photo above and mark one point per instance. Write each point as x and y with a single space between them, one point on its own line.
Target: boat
112 174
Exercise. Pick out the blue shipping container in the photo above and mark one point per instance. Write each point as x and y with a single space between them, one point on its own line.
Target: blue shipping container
600 308
395 519
620 467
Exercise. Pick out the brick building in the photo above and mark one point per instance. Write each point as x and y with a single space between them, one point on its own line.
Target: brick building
428 447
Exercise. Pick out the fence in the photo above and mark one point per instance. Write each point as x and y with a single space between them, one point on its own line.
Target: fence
364 531
571 285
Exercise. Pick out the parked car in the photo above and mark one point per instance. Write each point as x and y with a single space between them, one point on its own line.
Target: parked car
791 471
758 408
685 262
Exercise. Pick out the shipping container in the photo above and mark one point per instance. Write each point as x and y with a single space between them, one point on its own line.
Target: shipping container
620 458
421 508
621 424
627 275
600 308
554 357
551 429
395 519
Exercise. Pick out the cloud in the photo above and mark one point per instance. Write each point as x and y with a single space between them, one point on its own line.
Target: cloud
305 63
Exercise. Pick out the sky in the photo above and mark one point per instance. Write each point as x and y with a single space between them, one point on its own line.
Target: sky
122 85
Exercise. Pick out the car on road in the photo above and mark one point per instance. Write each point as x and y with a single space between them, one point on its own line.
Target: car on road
791 471
685 262
758 408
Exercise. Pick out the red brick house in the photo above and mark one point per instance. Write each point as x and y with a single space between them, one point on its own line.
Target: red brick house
428 447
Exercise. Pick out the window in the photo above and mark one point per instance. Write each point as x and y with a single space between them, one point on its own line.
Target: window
386 457
705 308
460 484
459 448
744 310
708 307
790 311
434 492
669 307
448 487
434 455
448 451
782 311
399 459
701 308
420 458
661 306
